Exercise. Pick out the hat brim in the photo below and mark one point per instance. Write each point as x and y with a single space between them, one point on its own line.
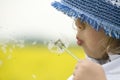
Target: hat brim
94 21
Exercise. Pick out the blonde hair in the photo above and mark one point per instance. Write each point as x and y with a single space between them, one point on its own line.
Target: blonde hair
113 45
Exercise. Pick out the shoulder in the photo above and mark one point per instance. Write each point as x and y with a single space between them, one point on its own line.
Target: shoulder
112 68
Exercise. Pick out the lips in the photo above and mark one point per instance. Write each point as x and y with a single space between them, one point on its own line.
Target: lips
79 41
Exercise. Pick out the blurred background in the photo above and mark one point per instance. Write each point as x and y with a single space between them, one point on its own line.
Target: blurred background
26 27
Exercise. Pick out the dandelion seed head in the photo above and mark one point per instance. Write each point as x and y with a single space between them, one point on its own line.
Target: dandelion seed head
57 46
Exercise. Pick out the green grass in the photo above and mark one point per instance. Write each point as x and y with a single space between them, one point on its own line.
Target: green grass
37 63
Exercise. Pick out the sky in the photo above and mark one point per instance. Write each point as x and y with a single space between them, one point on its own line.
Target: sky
33 18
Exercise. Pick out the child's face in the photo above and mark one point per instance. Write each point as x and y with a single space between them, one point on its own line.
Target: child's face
90 39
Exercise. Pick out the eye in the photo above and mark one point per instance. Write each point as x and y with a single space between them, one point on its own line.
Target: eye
80 25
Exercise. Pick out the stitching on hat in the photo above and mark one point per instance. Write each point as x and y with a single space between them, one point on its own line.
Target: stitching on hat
103 10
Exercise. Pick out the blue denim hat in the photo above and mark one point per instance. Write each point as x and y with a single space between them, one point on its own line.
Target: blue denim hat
98 13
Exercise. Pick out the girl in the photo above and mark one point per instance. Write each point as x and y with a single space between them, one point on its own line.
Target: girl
98 32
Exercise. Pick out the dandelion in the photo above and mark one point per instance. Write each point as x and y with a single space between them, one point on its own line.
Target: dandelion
56 46
59 47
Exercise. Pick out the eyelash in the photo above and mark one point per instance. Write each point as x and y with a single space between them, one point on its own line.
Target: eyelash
80 25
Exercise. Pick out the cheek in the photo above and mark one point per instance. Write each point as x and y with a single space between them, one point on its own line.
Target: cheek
93 38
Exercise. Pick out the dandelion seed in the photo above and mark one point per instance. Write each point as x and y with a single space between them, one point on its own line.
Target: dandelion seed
7 39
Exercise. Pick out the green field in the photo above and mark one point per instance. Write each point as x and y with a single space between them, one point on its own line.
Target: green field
36 63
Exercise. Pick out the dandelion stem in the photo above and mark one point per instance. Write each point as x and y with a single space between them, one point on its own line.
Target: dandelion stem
70 53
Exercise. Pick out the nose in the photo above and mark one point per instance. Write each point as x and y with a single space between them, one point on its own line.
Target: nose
77 36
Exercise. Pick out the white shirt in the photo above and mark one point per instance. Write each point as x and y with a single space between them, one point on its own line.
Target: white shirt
111 68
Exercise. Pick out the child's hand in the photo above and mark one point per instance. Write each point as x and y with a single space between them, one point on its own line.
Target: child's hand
88 70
